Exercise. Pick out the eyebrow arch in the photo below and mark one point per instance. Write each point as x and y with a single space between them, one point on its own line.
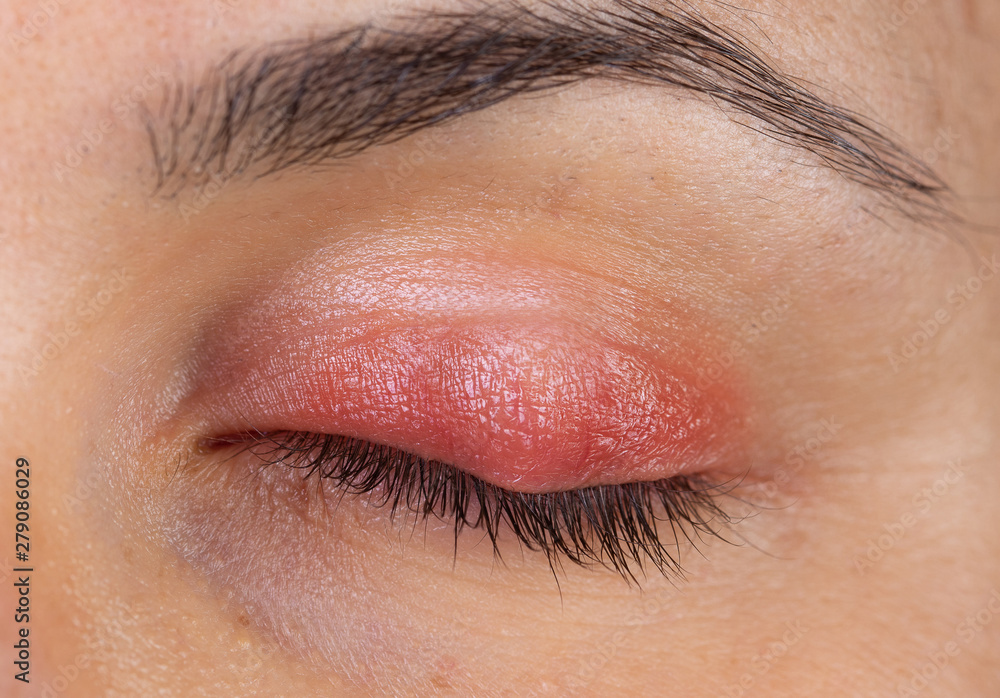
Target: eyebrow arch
308 102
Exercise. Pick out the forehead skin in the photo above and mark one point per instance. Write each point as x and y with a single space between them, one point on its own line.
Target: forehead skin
796 611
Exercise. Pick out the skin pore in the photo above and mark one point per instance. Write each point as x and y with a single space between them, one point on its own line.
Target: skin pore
649 244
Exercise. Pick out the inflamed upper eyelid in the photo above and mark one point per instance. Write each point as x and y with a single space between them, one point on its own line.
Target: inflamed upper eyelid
574 419
528 407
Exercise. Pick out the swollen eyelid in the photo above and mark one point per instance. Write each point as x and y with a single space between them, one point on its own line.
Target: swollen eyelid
526 407
563 423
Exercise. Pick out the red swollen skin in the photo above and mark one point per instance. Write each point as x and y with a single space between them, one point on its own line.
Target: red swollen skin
526 407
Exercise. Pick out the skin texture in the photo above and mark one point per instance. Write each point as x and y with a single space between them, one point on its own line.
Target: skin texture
868 556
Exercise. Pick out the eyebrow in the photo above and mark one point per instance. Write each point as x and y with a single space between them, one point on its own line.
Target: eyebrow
310 102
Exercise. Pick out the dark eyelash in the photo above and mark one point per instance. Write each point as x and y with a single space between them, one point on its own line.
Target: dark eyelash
614 526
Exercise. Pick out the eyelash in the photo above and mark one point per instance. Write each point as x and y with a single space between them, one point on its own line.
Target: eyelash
612 526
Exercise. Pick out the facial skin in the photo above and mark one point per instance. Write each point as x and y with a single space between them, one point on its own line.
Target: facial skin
856 356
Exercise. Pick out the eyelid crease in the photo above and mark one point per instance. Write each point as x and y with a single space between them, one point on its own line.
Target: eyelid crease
610 526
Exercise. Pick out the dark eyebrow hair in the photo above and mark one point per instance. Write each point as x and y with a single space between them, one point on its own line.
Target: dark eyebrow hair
311 101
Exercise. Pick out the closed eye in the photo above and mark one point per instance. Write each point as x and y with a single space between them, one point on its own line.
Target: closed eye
622 527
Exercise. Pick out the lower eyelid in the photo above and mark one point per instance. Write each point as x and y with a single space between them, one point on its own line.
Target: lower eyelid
614 526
